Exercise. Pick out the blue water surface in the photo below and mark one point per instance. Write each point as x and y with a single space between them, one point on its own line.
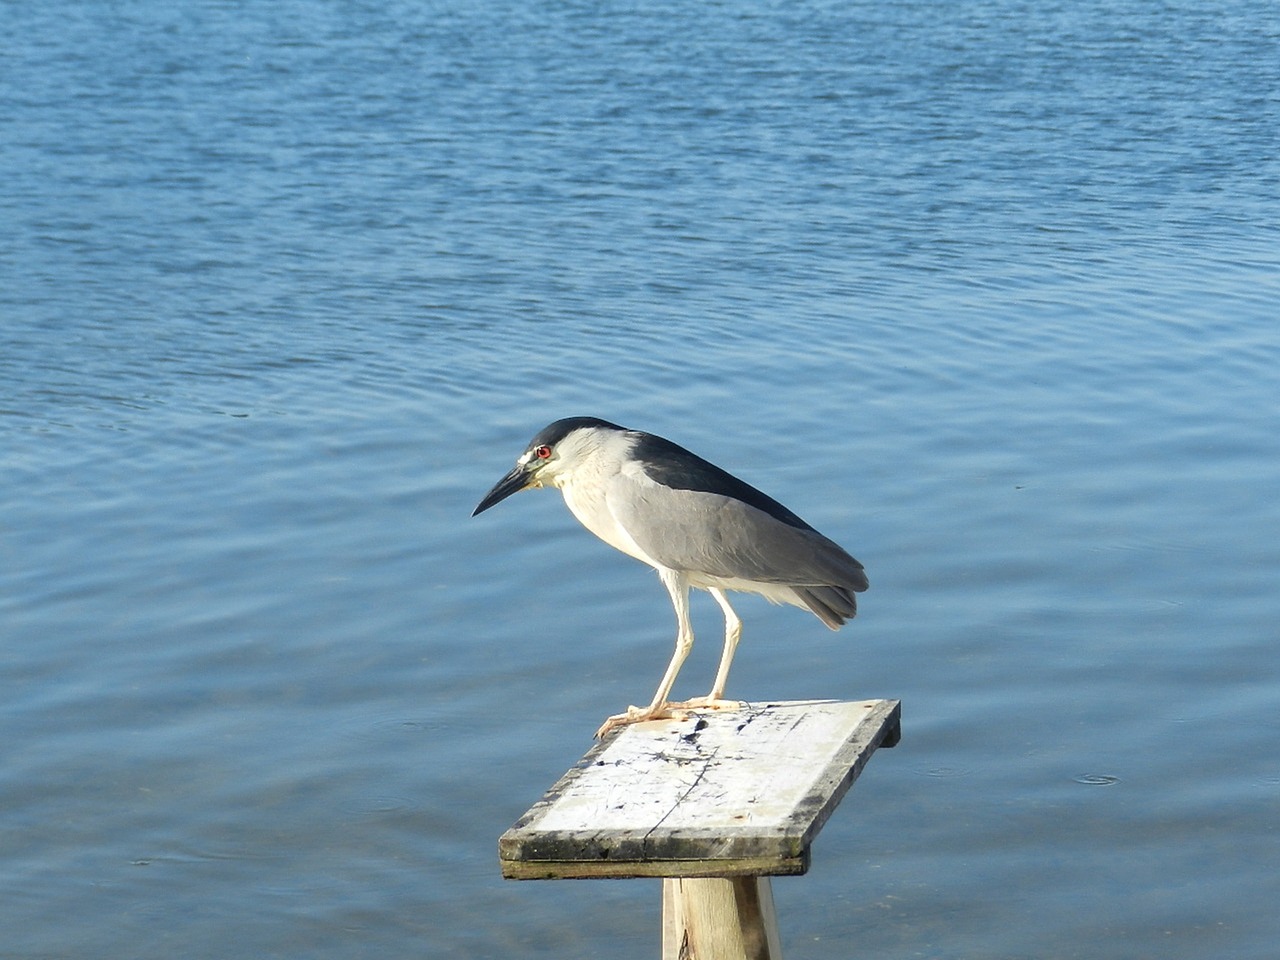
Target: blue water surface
986 290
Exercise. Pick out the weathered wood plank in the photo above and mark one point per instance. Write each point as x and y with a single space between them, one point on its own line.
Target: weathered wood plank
615 869
723 794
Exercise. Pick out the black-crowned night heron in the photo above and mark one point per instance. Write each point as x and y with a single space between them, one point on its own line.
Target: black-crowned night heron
694 523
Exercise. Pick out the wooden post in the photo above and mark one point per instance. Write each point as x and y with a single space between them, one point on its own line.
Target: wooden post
719 919
714 804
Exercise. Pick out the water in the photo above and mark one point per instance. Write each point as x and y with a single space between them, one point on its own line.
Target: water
986 291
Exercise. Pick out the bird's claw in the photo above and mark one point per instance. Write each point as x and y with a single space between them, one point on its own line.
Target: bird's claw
665 711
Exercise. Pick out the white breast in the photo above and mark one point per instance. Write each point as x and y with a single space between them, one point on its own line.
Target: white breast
587 503
585 494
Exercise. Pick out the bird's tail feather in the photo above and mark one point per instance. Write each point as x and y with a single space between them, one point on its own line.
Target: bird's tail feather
832 605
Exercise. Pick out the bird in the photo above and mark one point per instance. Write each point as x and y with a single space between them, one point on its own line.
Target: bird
697 525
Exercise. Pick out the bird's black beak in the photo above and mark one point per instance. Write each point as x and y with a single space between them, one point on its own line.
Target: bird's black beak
513 482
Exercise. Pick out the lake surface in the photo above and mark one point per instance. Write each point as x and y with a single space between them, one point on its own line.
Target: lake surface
985 291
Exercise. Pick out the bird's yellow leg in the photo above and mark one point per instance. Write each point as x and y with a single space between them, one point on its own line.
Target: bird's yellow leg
660 709
732 634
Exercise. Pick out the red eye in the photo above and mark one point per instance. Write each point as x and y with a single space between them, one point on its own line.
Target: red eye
543 452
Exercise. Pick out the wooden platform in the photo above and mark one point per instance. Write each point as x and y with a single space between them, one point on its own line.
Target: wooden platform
724 794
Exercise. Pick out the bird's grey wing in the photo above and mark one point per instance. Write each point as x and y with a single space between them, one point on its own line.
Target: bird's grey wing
718 535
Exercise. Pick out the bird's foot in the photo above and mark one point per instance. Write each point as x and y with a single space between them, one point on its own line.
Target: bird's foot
663 711
679 710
